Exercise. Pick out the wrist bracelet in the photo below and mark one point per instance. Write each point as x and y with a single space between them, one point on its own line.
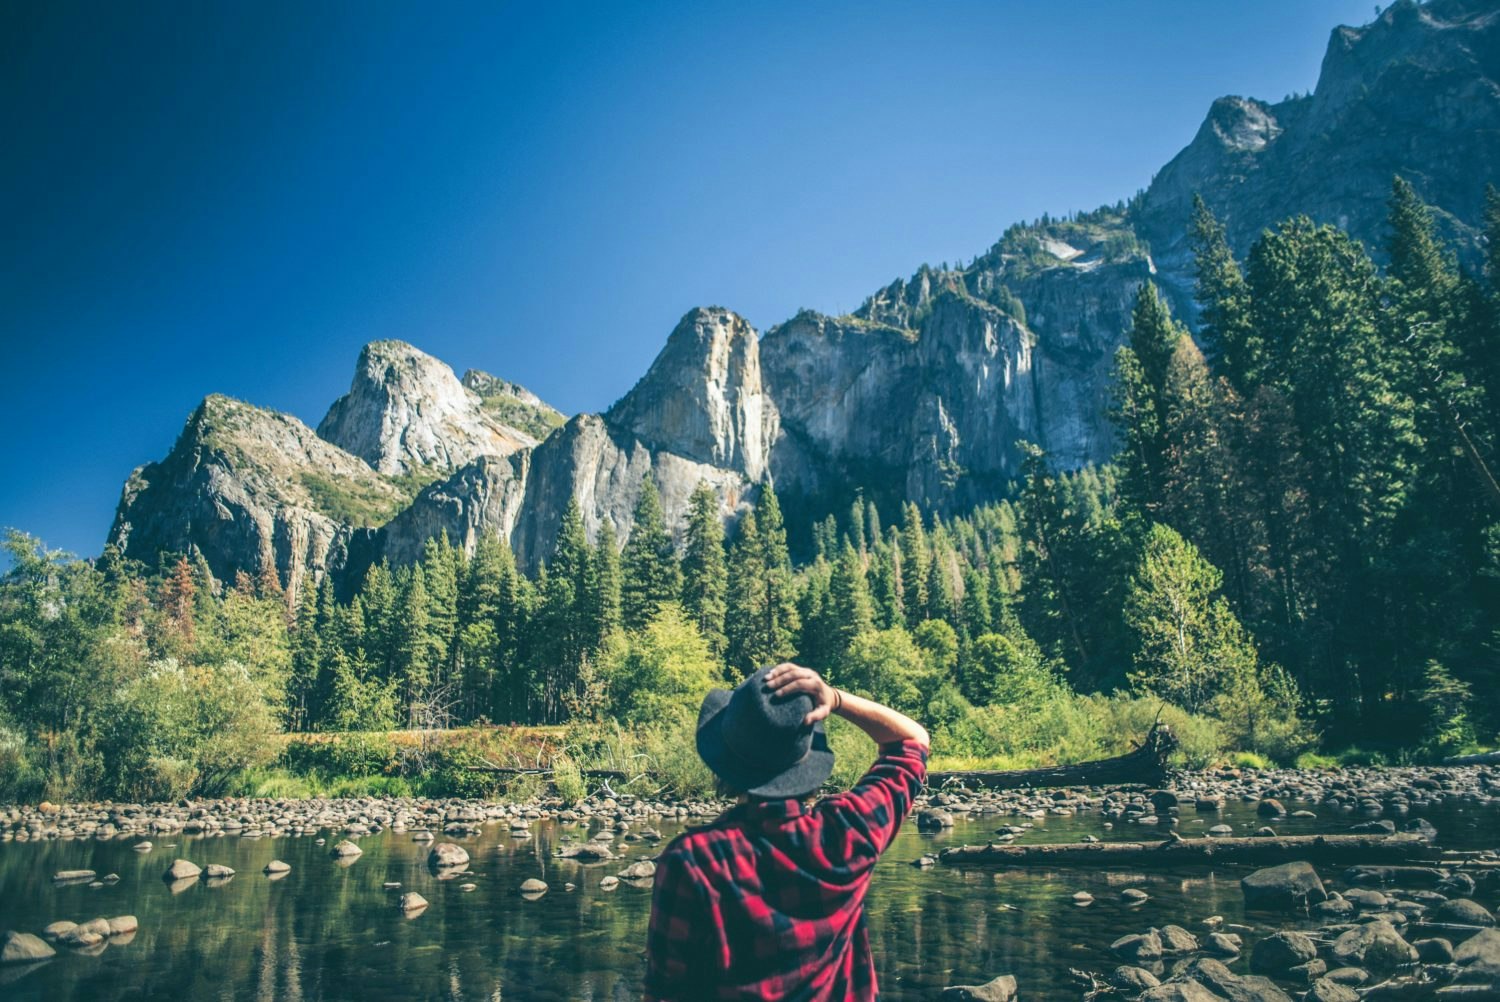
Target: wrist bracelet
838 695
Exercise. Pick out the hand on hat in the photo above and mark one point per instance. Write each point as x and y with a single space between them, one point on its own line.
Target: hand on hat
787 679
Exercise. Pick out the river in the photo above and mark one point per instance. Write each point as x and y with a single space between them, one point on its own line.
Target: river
328 932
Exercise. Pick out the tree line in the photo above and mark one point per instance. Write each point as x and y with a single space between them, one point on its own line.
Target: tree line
1299 539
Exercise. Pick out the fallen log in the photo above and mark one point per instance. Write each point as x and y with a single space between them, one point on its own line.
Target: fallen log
1483 758
1145 766
1340 849
505 770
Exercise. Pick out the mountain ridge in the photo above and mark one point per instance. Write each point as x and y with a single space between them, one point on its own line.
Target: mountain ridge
923 392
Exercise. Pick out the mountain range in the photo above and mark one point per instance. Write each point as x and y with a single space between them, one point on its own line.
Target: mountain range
921 394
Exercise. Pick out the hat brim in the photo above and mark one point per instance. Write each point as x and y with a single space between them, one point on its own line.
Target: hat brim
801 777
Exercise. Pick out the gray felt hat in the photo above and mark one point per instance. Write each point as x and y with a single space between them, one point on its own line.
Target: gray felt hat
757 743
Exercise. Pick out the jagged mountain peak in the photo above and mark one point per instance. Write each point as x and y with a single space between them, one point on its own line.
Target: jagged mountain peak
514 405
406 413
703 397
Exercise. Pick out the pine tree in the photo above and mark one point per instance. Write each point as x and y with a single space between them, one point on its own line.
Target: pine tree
849 597
1224 298
440 574
747 581
885 586
649 564
412 640
607 599
705 578
914 564
778 615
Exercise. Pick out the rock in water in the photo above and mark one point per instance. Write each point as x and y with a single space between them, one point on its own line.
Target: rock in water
23 948
276 866
532 885
1376 945
181 869
73 876
639 870
1276 955
1479 956
57 930
411 901
1143 946
123 925
1001 989
1284 887
346 850
217 871
446 854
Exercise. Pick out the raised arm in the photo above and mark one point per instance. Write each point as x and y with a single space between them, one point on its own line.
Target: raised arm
880 722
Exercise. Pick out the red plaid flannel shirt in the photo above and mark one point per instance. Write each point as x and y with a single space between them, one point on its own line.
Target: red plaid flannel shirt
767 902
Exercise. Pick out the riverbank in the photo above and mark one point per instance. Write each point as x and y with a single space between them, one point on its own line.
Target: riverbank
333 926
1391 793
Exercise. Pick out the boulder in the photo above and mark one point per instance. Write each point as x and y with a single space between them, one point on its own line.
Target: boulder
1180 991
57 930
1284 887
23 948
1001 989
277 866
411 901
1141 946
1374 945
639 870
181 869
1328 990
347 850
1270 808
446 854
532 885
1177 940
1479 956
1463 911
1226 984
123 925
1133 980
217 871
1277 954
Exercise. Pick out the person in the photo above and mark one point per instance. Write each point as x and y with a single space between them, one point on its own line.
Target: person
767 902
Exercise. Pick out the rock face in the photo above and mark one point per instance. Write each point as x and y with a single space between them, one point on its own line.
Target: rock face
703 399
922 394
1414 92
406 412
248 488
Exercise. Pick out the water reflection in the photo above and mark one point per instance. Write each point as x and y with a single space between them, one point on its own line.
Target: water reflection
332 929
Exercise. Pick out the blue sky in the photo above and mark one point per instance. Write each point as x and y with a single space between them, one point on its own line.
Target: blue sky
234 198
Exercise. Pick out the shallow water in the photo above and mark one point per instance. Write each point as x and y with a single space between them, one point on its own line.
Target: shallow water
330 932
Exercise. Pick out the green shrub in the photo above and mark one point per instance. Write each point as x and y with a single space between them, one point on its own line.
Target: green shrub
276 784
371 786
1250 760
567 779
330 756
1312 760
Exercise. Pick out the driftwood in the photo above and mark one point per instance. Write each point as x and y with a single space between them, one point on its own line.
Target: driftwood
1484 758
503 770
1146 766
1404 847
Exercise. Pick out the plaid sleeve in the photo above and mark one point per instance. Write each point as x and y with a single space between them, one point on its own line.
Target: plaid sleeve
674 941
871 813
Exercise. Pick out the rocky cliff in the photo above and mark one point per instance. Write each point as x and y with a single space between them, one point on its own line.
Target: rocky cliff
247 487
407 413
922 394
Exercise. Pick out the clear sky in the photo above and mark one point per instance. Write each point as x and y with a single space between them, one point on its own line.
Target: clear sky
234 197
